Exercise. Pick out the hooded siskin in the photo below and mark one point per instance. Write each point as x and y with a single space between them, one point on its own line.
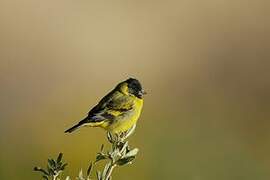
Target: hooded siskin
118 111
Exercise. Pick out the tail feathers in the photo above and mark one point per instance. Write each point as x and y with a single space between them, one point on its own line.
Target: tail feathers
80 124
84 122
70 130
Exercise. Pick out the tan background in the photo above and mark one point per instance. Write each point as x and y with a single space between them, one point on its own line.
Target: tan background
205 65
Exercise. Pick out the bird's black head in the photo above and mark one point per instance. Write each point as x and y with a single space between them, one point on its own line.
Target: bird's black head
135 87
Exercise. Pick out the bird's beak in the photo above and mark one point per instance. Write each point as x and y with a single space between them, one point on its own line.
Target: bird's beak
142 92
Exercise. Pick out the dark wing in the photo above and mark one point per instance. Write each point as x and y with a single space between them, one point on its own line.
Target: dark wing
112 105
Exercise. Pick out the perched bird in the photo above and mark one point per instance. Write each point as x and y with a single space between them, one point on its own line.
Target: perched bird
118 111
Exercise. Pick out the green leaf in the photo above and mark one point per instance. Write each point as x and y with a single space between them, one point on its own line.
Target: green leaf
58 165
110 137
124 148
133 152
59 158
89 169
100 157
102 148
37 168
124 161
98 175
81 175
41 170
114 155
45 177
51 172
63 166
105 171
51 163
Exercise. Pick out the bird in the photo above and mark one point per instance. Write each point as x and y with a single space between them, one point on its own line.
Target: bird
118 111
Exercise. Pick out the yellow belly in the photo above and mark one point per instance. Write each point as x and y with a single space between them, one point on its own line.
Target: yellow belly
127 120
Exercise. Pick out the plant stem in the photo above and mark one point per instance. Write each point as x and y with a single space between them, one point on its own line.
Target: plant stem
55 177
110 170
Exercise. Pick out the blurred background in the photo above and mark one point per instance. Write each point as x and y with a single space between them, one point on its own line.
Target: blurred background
205 66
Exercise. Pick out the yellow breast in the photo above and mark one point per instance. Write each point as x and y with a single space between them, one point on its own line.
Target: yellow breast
124 122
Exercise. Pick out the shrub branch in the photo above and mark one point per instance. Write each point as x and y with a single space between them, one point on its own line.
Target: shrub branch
118 155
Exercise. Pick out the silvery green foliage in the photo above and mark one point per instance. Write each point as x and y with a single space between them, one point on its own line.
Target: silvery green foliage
81 176
119 154
54 168
87 177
